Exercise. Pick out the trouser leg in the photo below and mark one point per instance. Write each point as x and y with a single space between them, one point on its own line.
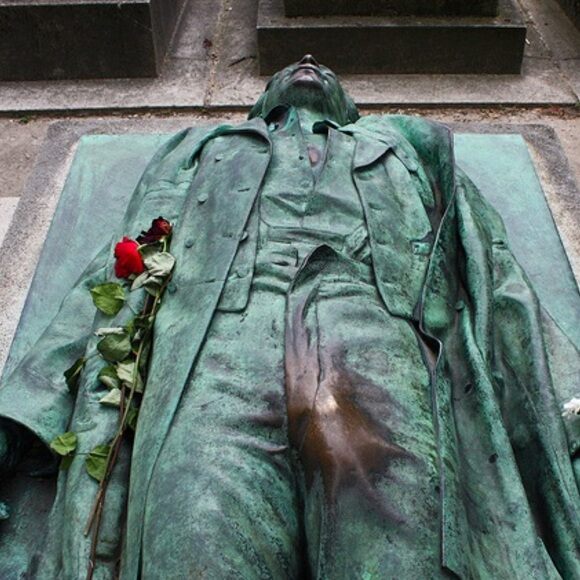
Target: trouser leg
361 424
223 502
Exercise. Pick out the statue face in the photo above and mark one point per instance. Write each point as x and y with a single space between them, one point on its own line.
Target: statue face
310 85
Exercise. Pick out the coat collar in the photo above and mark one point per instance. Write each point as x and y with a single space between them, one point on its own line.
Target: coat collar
256 125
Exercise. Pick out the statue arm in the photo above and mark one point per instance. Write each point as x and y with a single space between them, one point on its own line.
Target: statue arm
523 383
35 395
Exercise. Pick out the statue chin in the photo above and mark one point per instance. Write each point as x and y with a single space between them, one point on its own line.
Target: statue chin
306 94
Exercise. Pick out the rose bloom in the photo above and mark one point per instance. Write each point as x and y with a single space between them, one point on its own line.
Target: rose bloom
160 228
129 260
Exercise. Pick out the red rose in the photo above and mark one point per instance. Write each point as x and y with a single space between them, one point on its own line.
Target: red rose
160 228
129 260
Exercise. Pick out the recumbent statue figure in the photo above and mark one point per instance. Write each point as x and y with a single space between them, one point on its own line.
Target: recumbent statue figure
348 376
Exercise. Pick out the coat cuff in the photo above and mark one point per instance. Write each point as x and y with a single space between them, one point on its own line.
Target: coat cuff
33 402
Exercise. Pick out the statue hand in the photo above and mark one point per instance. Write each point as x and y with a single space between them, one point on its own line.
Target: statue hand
13 441
4 448
4 461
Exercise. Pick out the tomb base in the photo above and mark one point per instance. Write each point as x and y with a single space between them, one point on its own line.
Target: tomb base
398 45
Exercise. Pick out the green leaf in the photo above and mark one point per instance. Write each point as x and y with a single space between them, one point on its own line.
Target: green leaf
159 264
112 398
126 373
115 347
144 321
73 374
132 416
153 285
108 376
139 281
65 443
96 462
130 328
109 297
148 250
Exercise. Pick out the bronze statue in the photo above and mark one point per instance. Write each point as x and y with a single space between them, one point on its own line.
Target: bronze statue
348 377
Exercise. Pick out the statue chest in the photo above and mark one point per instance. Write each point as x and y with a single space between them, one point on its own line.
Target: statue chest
311 187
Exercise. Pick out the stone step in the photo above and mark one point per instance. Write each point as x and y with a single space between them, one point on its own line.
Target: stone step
81 39
398 45
391 7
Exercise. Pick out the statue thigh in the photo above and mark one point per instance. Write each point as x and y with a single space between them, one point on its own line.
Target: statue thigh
224 481
254 486
365 439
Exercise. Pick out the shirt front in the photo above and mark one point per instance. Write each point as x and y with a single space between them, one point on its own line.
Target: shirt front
309 197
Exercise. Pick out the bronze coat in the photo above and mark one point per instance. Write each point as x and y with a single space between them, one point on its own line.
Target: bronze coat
507 484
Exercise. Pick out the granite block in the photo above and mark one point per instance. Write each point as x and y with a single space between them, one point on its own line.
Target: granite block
379 45
64 39
391 7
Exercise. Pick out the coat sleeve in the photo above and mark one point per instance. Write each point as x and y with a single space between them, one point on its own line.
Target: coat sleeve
510 337
35 394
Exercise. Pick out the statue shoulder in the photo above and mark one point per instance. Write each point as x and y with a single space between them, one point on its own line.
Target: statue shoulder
423 134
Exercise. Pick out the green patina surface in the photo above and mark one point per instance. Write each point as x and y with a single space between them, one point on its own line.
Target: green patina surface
348 379
106 169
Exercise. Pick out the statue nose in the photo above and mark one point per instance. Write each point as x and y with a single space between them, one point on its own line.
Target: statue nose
309 59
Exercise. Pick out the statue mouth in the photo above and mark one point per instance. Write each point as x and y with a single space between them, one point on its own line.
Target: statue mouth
307 74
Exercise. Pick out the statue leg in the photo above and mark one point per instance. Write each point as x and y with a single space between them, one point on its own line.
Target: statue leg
360 418
223 502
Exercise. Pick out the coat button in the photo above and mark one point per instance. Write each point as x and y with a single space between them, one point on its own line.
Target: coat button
218 158
243 236
242 271
202 197
189 243
421 248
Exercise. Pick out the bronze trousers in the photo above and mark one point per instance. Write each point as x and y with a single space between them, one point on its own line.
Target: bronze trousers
304 445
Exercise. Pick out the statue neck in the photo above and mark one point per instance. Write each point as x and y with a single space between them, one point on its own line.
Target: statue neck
307 118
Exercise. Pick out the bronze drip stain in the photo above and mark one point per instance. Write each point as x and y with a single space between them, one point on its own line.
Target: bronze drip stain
334 433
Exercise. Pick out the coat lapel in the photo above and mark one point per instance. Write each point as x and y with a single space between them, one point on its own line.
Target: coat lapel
204 245
399 228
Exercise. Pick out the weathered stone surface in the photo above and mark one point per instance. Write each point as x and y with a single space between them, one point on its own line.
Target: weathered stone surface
60 39
572 9
394 44
392 7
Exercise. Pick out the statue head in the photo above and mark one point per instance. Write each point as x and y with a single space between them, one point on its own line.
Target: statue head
307 84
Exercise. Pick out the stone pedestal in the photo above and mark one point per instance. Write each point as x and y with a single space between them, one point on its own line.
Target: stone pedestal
64 39
402 44
391 7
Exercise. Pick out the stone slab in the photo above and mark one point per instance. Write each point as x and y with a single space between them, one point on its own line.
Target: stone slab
379 45
392 7
64 39
237 80
7 209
